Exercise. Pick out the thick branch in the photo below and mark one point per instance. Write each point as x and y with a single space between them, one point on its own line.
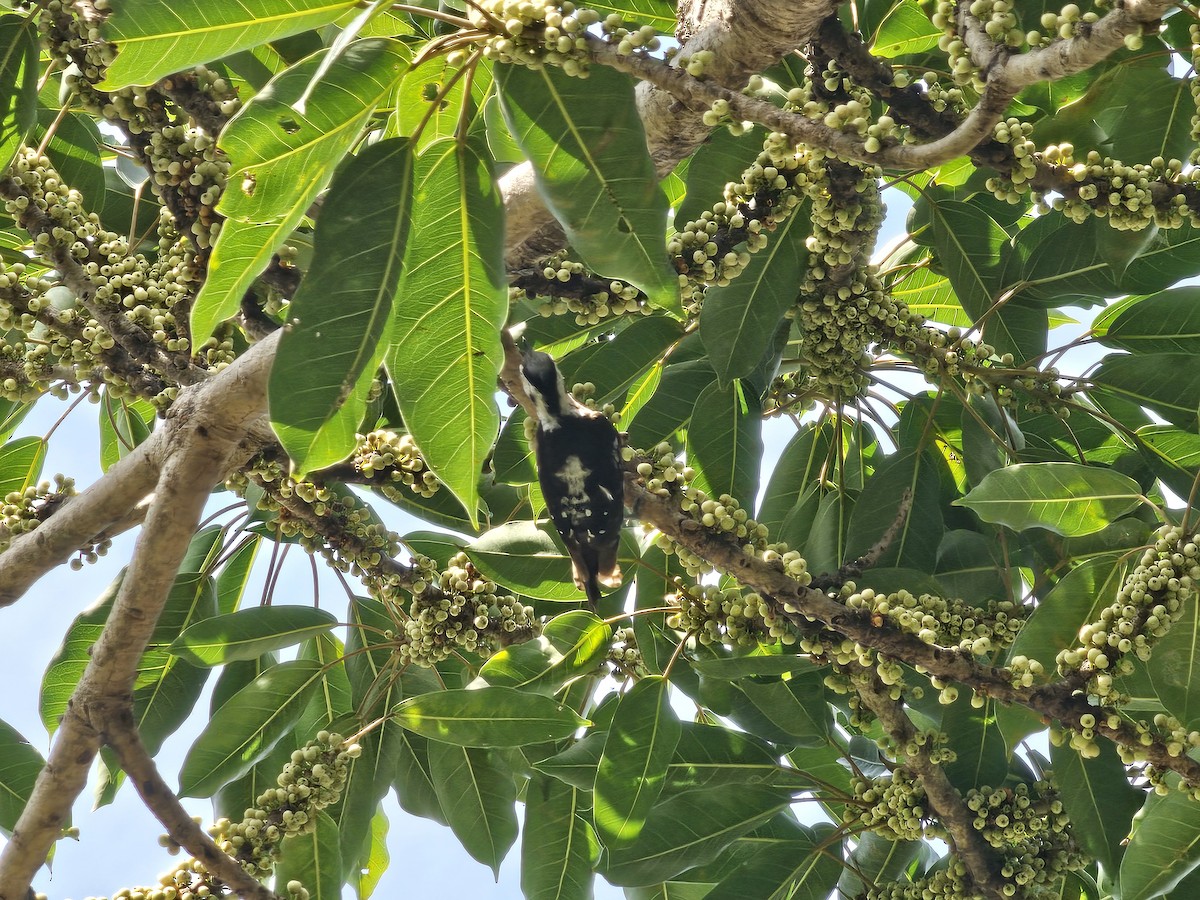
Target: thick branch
231 404
121 734
1062 700
969 844
105 690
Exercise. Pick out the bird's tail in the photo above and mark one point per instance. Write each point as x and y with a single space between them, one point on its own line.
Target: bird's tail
591 587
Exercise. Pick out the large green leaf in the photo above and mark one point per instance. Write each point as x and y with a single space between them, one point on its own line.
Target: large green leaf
570 645
249 633
1146 113
916 543
725 442
247 726
1097 796
124 424
802 464
708 755
588 150
21 463
800 868
558 846
375 859
20 765
905 29
342 314
281 158
524 556
1175 669
445 352
314 859
633 766
877 860
1166 322
487 717
1066 498
691 829
242 251
671 406
158 37
1166 383
968 243
982 758
739 321
1164 848
479 798
18 83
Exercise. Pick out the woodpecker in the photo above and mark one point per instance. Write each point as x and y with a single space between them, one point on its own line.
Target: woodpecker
579 469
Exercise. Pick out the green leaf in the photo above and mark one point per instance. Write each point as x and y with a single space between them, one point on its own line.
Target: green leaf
571 644
18 83
231 583
249 633
314 859
968 243
788 711
803 868
157 37
877 860
615 365
524 557
1170 257
1146 113
633 766
801 465
487 717
124 424
20 765
445 352
726 447
1166 383
1164 848
21 464
558 846
708 755
916 544
282 158
966 567
1066 498
739 321
671 406
659 13
342 314
720 159
375 859
247 726
905 29
479 798
1175 669
414 779
242 251
1166 322
588 149
982 757
332 703
691 829
1097 796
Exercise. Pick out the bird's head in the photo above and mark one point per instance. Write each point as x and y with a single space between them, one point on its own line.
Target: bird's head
544 384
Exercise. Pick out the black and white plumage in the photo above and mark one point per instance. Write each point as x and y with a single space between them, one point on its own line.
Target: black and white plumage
579 469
